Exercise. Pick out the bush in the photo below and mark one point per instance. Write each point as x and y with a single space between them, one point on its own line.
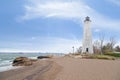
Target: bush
106 57
117 55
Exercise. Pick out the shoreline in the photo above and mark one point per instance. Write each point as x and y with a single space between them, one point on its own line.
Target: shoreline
6 59
9 67
42 69
66 68
6 65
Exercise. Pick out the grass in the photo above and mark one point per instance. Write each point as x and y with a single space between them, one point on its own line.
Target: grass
108 56
117 55
105 57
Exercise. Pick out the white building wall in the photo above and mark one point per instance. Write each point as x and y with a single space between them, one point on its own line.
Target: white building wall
87 38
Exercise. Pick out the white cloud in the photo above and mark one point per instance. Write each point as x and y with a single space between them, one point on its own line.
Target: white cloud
97 30
75 10
33 38
56 9
53 44
42 44
116 2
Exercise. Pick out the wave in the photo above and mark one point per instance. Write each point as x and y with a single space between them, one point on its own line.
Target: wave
6 68
32 57
5 63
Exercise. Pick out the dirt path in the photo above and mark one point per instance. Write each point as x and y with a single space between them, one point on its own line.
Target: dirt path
88 69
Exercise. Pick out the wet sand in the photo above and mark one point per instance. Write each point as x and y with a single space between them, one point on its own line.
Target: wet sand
66 68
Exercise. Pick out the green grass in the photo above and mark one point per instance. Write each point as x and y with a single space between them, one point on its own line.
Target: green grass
105 57
117 55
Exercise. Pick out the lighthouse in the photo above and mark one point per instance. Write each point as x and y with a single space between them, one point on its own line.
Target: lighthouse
87 46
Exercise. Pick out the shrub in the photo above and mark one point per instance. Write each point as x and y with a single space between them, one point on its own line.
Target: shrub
117 55
106 57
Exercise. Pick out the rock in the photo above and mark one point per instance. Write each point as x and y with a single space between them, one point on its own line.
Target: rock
22 61
43 57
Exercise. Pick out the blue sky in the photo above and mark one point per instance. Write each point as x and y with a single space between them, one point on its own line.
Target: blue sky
54 25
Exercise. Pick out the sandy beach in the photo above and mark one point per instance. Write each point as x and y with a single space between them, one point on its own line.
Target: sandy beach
66 68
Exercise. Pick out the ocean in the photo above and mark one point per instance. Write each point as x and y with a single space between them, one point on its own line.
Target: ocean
6 59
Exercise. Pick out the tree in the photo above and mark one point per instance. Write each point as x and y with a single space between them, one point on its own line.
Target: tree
96 47
106 48
109 46
117 48
101 38
112 42
79 50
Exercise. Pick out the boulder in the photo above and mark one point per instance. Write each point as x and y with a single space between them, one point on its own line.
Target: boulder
22 61
43 57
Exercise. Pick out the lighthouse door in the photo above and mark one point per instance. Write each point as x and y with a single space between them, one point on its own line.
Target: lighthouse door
87 50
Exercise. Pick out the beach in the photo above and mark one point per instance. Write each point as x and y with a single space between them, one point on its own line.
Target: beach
66 68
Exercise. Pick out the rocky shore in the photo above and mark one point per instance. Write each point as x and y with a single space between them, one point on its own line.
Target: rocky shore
40 70
24 61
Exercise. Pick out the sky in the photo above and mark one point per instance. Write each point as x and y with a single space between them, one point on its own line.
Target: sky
54 25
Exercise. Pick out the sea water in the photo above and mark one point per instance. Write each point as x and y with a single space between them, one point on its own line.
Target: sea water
6 59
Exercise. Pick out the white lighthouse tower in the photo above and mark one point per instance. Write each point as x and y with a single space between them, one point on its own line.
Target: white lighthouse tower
87 37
